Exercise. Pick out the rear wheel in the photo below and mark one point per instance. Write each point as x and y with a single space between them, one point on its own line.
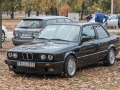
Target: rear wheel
3 36
119 23
110 58
70 66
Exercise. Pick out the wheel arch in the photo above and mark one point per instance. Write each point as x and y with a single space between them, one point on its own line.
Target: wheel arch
3 31
70 53
111 46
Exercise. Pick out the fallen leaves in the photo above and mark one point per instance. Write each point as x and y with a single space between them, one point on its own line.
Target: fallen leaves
93 77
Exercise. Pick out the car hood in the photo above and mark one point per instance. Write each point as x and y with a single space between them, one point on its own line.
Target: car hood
44 47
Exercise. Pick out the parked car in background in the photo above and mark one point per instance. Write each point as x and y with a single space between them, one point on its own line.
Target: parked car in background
113 21
29 28
4 33
92 20
62 48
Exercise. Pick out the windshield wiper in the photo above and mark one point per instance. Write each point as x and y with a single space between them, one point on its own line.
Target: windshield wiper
61 40
43 38
23 27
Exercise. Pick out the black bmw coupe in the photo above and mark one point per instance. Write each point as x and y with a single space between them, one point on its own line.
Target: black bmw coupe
62 48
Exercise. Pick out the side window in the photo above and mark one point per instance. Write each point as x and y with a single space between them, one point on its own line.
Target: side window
68 20
49 22
61 21
114 17
102 33
89 31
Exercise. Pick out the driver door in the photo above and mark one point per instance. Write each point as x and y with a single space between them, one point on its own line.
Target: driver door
89 48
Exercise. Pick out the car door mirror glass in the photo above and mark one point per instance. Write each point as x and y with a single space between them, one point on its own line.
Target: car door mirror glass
85 38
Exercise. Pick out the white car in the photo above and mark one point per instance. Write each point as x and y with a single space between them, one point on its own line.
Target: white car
4 33
112 22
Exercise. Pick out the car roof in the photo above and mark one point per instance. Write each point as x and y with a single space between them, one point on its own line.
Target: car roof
45 17
79 24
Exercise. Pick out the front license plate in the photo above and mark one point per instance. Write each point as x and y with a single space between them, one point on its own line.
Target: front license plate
26 64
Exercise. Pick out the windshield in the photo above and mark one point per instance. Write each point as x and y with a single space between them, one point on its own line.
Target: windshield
68 33
27 23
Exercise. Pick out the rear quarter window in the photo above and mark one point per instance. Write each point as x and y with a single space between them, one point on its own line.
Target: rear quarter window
50 22
61 21
102 33
68 21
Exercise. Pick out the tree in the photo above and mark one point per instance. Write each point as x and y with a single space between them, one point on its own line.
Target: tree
12 2
36 6
83 8
102 4
27 6
11 6
44 5
116 6
64 9
53 4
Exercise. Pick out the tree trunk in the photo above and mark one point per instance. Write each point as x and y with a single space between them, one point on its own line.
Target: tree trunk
29 13
53 11
83 8
12 13
82 14
37 13
0 25
7 12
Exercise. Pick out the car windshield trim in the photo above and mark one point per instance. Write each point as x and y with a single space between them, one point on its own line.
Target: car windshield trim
57 39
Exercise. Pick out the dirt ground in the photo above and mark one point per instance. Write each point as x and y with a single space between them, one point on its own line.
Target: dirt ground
10 24
94 77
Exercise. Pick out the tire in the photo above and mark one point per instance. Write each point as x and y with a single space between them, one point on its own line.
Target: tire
110 58
3 36
16 72
119 23
70 66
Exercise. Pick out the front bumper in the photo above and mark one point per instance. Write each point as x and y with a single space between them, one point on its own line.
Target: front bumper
40 67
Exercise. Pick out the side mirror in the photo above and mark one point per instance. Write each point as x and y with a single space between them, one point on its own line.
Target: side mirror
85 38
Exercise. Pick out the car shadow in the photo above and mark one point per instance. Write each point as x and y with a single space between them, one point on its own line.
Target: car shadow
98 64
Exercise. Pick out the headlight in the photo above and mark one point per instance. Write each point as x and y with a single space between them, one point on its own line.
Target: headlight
50 57
43 57
10 55
15 55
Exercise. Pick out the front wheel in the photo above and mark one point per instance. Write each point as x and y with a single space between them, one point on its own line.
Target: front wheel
110 58
70 66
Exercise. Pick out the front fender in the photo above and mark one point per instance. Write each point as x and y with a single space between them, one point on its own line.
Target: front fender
69 53
111 46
